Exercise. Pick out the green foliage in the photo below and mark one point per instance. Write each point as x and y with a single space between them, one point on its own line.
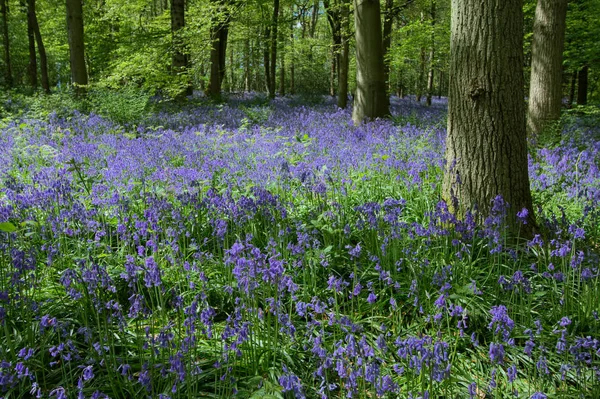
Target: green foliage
125 105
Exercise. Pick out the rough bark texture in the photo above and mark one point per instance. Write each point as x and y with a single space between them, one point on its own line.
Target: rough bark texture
40 45
4 11
486 149
545 90
371 100
582 86
342 99
76 46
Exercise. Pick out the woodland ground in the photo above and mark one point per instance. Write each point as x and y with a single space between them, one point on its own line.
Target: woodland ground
272 249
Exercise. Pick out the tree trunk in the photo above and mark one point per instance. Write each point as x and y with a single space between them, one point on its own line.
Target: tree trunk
218 52
572 91
314 18
282 75
421 79
545 90
32 66
40 46
582 86
4 11
76 46
388 23
273 65
179 60
267 61
486 148
342 99
293 56
371 100
430 75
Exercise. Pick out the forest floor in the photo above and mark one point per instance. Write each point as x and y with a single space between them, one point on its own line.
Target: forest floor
262 249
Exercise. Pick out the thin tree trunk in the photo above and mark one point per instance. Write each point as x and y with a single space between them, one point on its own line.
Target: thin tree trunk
76 45
282 74
40 46
247 65
273 65
388 23
342 99
371 100
32 66
545 90
582 86
267 60
231 71
486 147
293 56
430 75
572 91
421 79
4 11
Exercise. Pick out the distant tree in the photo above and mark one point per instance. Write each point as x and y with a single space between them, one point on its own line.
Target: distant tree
582 85
273 43
545 90
486 148
219 31
371 99
342 98
32 18
6 39
76 45
179 60
32 65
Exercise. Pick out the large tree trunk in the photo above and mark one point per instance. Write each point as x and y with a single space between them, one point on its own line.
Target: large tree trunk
76 45
32 66
40 45
219 32
486 148
342 99
582 86
273 65
545 90
4 11
371 100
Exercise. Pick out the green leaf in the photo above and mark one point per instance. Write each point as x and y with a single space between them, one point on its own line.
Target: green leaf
7 227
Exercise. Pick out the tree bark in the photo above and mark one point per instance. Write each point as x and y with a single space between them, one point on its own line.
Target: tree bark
342 99
32 66
218 52
388 23
76 46
179 60
273 65
486 148
572 91
430 75
40 45
545 90
4 11
267 60
582 86
371 100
